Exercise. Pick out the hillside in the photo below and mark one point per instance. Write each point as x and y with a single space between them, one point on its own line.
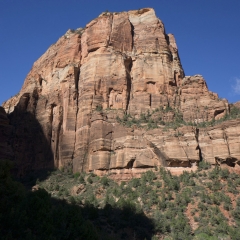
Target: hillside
197 205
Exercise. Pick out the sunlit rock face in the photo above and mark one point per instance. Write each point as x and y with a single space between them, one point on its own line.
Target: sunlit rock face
120 63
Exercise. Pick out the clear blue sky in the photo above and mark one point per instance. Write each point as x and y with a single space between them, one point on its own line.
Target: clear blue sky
207 34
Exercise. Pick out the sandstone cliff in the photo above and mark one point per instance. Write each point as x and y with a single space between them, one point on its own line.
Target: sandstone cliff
119 65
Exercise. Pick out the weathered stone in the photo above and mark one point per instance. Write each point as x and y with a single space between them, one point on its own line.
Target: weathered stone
121 35
120 63
76 190
198 104
220 144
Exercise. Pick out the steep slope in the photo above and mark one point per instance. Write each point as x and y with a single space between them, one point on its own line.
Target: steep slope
120 65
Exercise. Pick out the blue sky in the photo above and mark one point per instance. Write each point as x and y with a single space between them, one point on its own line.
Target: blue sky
207 34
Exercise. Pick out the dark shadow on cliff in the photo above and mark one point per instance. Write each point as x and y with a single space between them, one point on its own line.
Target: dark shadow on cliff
37 215
33 157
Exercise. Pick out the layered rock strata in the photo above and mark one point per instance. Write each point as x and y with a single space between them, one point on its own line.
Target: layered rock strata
120 63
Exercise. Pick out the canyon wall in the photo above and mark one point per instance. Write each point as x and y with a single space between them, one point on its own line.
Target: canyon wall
6 151
120 64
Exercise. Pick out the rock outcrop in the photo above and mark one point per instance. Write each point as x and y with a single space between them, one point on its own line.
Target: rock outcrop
120 64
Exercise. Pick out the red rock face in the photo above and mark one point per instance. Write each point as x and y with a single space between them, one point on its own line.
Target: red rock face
65 114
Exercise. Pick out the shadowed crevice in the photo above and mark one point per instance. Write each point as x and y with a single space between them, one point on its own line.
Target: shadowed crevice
198 146
132 33
128 67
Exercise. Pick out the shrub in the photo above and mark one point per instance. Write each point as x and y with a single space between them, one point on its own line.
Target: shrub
104 181
135 182
57 187
149 176
224 173
76 175
89 180
123 183
99 108
158 184
214 174
117 192
81 179
203 165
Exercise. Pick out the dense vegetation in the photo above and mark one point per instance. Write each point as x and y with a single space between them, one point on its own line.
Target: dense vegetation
196 205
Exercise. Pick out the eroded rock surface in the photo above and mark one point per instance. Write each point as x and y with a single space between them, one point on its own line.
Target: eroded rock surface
221 143
120 63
